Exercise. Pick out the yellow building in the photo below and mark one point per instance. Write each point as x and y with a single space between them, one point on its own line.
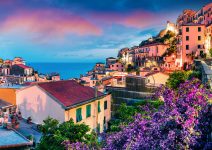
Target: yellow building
64 100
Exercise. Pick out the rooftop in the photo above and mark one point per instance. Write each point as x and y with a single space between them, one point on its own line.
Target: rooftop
11 138
22 66
11 86
193 24
69 92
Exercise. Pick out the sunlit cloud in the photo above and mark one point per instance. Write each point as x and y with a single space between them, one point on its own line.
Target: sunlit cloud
49 23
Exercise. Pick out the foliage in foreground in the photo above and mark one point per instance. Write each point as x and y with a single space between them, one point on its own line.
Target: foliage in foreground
178 77
65 135
184 122
125 114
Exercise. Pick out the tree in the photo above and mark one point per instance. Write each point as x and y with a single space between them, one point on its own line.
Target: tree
54 134
125 114
129 68
176 78
180 124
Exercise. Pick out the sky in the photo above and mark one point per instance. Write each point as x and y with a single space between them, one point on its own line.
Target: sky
82 30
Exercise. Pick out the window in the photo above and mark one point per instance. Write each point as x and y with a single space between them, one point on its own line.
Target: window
78 114
187 29
98 128
105 105
199 29
187 47
199 38
104 122
199 46
99 108
187 38
88 111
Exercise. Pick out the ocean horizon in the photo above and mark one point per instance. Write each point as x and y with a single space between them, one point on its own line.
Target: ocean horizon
65 69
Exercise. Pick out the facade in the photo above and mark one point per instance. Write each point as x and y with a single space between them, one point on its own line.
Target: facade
110 60
195 45
5 71
69 100
191 43
127 55
117 67
22 70
89 80
152 51
156 78
99 68
8 95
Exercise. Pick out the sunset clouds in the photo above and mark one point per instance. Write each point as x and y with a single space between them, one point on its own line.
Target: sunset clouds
75 30
49 23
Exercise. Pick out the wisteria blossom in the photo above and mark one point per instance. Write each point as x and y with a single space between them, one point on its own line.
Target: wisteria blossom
184 122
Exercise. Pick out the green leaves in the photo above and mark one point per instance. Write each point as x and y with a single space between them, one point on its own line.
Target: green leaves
54 134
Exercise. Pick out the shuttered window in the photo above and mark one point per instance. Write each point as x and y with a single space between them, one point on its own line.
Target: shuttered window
105 105
78 114
99 108
88 111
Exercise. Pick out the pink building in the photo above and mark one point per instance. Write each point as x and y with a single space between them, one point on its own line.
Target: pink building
191 43
117 67
153 51
89 80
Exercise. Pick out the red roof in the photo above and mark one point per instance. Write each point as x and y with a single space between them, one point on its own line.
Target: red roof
22 66
69 92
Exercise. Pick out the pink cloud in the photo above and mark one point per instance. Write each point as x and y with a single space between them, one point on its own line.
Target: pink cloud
138 19
49 23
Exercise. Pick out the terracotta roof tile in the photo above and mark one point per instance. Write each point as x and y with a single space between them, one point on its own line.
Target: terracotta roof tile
22 66
69 92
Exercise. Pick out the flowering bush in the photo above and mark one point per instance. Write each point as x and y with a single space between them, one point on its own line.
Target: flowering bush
180 124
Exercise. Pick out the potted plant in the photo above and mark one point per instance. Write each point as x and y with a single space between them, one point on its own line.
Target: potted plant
4 125
13 119
29 120
9 126
19 115
16 125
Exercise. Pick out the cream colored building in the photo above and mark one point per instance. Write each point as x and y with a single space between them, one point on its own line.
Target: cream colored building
156 78
64 100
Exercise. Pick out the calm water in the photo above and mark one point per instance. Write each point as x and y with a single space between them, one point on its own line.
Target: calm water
66 70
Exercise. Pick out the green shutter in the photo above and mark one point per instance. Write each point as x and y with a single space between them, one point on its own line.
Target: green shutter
78 114
105 104
99 108
98 128
88 111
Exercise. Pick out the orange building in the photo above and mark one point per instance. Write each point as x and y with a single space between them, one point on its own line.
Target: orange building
8 95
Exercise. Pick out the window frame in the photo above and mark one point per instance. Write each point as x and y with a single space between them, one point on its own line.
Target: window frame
78 116
88 114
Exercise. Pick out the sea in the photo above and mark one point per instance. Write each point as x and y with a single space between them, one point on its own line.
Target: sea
66 70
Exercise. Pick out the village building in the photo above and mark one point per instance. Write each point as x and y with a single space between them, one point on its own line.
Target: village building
110 60
69 100
152 51
22 70
8 92
117 66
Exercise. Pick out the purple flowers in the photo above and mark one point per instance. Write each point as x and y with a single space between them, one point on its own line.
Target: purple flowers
178 125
